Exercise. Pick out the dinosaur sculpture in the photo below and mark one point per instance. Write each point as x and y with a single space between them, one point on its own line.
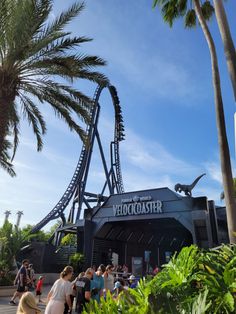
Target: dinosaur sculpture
187 189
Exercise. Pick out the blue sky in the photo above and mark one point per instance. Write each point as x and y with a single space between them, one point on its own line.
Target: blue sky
163 78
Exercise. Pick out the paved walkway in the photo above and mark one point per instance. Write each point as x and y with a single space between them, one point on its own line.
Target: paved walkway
6 308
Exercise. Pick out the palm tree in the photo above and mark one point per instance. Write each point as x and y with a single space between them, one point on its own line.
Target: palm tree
172 9
37 61
229 48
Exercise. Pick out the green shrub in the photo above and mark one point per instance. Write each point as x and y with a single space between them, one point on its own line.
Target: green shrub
7 279
194 281
77 261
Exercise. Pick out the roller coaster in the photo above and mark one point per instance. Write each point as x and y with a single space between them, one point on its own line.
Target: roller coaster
76 194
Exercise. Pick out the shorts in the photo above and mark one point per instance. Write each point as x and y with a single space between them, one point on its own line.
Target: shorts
38 292
20 288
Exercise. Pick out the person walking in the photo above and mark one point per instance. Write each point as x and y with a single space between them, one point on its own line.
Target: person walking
83 286
39 287
27 305
108 279
60 293
21 281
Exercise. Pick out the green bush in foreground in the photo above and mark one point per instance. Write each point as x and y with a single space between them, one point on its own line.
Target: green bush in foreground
194 281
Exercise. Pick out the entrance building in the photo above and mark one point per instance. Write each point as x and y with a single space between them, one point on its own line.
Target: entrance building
147 227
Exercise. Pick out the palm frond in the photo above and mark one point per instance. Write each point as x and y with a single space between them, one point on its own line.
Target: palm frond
207 10
64 18
63 113
5 162
25 21
34 118
8 166
67 97
76 95
190 19
66 101
55 97
61 45
170 12
34 54
95 77
182 7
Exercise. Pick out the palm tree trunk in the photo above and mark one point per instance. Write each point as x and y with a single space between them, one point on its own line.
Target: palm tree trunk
230 53
221 129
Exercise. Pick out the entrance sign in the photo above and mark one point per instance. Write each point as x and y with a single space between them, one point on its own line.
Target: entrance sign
138 206
137 266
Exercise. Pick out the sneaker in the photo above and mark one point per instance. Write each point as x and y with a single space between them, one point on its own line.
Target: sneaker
12 302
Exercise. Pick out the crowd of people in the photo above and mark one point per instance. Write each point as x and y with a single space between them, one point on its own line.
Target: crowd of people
67 291
92 284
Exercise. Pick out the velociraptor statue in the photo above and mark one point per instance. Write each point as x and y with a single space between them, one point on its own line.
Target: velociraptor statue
187 189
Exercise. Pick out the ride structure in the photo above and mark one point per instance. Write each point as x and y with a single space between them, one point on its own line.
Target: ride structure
76 194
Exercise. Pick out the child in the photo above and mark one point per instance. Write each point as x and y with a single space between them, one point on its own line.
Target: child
39 287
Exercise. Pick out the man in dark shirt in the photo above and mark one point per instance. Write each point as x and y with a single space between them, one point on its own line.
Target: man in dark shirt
20 281
83 290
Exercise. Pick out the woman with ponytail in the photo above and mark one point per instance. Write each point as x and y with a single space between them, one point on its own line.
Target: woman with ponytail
60 293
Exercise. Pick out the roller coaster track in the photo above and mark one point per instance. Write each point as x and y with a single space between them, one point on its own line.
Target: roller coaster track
77 184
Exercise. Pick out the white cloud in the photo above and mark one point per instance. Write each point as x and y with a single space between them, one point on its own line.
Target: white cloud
149 155
214 171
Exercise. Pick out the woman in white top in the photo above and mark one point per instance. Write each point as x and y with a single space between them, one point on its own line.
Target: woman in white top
108 278
60 293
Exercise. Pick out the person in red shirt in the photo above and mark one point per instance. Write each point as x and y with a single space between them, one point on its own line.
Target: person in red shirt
39 287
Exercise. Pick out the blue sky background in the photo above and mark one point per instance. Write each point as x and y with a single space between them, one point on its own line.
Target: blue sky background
163 78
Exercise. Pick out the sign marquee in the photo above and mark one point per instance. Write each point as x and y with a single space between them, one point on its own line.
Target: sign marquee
138 206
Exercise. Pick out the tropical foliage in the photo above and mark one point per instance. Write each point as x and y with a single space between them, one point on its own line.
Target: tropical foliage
69 239
38 58
173 9
39 236
194 271
77 261
12 239
194 281
129 301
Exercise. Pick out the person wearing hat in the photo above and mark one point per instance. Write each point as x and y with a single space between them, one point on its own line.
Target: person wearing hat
118 287
39 286
132 282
